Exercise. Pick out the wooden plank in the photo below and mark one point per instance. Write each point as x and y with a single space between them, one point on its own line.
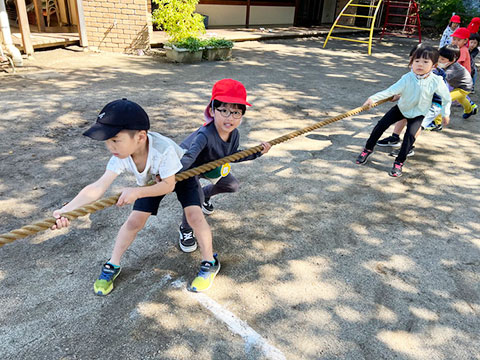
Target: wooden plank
39 15
82 27
24 27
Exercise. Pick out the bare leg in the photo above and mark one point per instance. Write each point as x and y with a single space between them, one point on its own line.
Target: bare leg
197 221
135 222
399 126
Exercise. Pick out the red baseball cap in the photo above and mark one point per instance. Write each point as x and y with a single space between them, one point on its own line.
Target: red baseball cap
461 33
474 25
227 91
455 19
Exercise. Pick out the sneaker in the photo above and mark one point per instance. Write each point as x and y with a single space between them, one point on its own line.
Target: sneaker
473 112
395 152
207 207
430 127
187 240
392 140
104 284
205 276
362 158
438 127
396 169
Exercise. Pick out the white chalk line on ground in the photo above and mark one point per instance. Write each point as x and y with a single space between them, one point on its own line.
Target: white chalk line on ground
238 326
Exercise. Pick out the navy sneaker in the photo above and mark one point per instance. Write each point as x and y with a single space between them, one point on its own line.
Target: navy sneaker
207 207
392 140
187 241
473 112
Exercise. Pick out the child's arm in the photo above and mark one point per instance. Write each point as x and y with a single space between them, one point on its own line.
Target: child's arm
162 187
87 195
197 145
395 89
444 93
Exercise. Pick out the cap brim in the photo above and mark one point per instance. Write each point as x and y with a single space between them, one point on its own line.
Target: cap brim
231 100
101 132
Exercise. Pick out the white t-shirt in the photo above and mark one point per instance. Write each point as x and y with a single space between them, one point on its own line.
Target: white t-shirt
163 160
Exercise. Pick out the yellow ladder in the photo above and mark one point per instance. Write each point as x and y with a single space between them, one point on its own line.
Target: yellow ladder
350 4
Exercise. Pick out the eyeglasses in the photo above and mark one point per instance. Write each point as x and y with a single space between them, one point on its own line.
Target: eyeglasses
236 114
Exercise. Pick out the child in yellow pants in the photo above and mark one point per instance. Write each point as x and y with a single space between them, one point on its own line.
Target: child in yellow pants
458 78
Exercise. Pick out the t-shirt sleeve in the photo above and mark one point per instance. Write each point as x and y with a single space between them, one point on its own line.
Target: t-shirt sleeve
116 165
197 145
395 89
170 163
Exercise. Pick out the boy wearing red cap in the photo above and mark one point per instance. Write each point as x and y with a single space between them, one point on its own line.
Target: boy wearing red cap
123 125
460 38
452 26
217 138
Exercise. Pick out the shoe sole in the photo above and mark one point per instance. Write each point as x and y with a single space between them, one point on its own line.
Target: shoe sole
189 288
109 290
206 211
391 145
408 155
395 176
186 249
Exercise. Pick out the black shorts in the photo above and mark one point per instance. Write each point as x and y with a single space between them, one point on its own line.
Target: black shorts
187 194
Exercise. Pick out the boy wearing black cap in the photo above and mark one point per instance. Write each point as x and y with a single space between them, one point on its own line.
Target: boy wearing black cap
123 125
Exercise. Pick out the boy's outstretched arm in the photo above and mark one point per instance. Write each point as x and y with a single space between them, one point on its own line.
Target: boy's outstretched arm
89 193
162 187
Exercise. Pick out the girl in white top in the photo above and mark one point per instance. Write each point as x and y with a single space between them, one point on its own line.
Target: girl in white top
416 90
452 26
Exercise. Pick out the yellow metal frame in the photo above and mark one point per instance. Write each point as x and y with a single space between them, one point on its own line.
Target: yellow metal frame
372 25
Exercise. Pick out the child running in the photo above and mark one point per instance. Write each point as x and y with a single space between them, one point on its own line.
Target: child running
124 125
416 90
460 38
452 26
217 138
458 78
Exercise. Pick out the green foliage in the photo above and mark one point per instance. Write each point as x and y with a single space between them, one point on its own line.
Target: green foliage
178 19
437 13
219 43
191 44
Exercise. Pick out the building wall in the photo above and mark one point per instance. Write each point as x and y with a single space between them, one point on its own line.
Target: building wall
221 15
118 25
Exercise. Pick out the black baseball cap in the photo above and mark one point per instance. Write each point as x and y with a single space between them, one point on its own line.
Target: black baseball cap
116 116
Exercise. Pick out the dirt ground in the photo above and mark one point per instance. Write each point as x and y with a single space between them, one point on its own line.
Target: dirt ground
321 258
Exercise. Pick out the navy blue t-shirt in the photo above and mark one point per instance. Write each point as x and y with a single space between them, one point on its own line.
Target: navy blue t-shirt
205 145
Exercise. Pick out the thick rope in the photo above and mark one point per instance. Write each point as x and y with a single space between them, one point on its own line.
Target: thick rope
112 200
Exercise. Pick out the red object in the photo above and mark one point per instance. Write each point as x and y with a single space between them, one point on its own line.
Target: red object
229 91
455 19
403 19
474 25
462 33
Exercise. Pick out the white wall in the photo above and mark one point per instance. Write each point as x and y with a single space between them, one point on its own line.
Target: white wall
220 15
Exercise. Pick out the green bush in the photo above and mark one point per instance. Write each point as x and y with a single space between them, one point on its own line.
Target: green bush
191 44
219 43
178 19
437 13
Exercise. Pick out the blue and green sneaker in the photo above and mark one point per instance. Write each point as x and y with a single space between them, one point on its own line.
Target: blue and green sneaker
205 276
104 284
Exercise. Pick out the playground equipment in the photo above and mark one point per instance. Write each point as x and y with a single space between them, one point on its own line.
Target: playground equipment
112 200
349 13
403 15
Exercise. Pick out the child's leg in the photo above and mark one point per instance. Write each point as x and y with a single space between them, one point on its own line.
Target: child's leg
135 222
197 221
391 117
413 125
185 224
461 96
227 184
399 126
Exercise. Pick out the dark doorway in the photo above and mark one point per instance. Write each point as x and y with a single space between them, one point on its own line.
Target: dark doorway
308 13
